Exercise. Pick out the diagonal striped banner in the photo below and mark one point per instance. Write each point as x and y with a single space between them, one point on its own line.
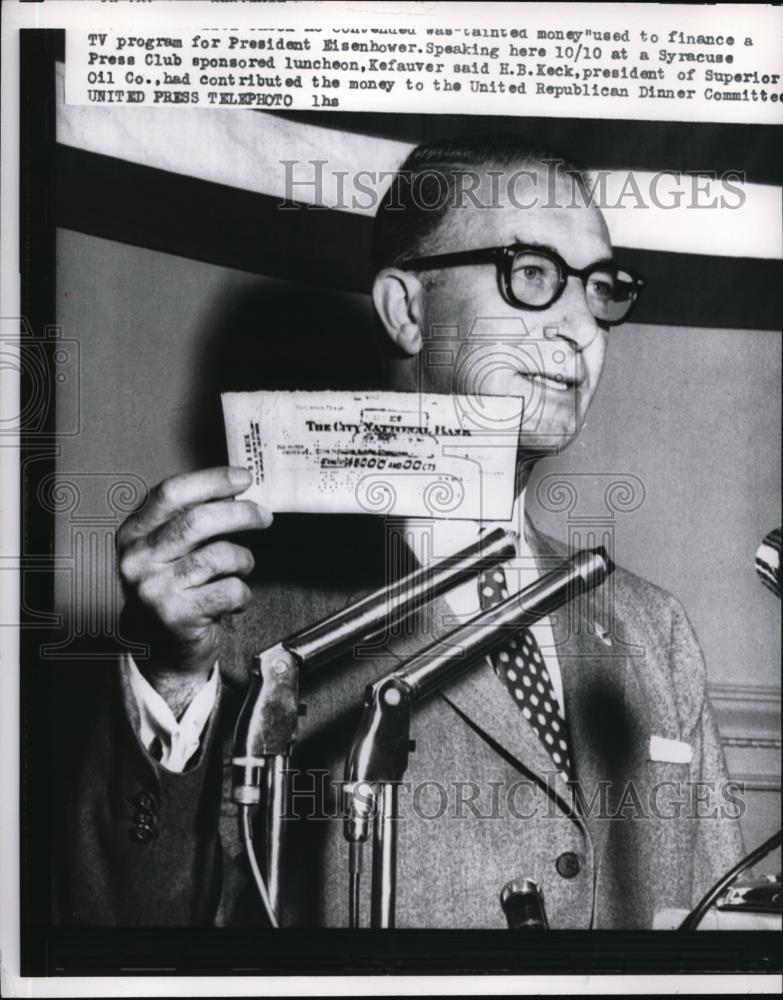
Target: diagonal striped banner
293 196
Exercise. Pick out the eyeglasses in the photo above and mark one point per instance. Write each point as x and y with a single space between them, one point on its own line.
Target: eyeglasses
534 278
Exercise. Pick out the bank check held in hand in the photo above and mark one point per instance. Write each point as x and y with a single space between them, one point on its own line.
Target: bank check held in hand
391 453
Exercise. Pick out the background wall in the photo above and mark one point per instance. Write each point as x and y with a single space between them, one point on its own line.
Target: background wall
691 413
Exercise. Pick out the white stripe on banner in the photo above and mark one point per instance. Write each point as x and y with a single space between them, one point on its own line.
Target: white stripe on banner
257 152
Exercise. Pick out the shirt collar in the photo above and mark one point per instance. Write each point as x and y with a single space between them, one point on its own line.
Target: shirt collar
155 716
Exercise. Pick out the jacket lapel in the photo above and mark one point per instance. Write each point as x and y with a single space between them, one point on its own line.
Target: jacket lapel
592 654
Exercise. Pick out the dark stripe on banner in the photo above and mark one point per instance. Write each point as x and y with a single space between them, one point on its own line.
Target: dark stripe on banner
737 293
597 143
188 217
180 215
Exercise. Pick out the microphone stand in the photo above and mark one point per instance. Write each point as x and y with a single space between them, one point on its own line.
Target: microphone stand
378 757
266 728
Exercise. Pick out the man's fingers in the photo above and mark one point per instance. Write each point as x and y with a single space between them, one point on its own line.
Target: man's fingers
181 492
188 610
214 560
189 530
220 597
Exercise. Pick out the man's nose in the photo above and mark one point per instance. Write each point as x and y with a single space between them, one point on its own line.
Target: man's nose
572 319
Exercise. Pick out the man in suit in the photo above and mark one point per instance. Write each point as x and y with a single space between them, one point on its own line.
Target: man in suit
582 754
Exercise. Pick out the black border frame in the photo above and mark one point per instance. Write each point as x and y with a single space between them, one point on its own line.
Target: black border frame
38 452
50 950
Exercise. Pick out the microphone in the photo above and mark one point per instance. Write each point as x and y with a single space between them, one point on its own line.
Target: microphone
768 561
379 751
428 670
267 723
522 902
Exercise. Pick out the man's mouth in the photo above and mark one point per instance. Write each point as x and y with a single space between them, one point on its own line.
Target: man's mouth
555 381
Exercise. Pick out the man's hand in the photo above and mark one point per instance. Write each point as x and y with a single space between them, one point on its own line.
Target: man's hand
180 575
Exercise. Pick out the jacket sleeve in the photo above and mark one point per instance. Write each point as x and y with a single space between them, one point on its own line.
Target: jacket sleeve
716 803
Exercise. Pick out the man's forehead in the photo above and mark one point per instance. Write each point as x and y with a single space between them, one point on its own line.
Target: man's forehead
530 203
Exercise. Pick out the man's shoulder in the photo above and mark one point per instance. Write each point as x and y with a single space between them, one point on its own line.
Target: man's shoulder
543 545
640 603
651 621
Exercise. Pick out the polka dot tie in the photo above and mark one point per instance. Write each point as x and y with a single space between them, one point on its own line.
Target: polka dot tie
520 665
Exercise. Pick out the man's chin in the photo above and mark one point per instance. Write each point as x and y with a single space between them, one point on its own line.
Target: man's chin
540 443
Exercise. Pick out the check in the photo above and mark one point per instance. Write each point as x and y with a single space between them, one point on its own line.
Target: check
392 453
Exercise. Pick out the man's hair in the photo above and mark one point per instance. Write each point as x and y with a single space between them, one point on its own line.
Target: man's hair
434 178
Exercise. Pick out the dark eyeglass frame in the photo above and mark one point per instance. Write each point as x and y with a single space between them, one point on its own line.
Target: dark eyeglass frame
503 257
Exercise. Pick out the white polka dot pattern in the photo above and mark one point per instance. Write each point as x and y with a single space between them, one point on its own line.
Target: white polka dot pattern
527 675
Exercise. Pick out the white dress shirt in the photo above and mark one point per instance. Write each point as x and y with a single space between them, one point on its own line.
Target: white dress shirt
180 740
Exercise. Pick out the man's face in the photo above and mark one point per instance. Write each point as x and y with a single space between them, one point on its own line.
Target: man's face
552 357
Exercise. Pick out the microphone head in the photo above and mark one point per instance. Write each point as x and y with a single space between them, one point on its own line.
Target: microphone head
522 902
768 562
593 566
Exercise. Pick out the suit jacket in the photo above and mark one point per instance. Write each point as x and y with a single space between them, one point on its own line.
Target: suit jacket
482 801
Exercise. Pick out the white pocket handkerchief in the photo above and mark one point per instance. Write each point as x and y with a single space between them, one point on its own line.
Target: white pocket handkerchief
672 751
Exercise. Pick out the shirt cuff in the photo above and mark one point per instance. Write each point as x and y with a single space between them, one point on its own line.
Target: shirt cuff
171 742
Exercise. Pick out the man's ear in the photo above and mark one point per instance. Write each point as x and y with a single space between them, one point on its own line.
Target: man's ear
398 297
